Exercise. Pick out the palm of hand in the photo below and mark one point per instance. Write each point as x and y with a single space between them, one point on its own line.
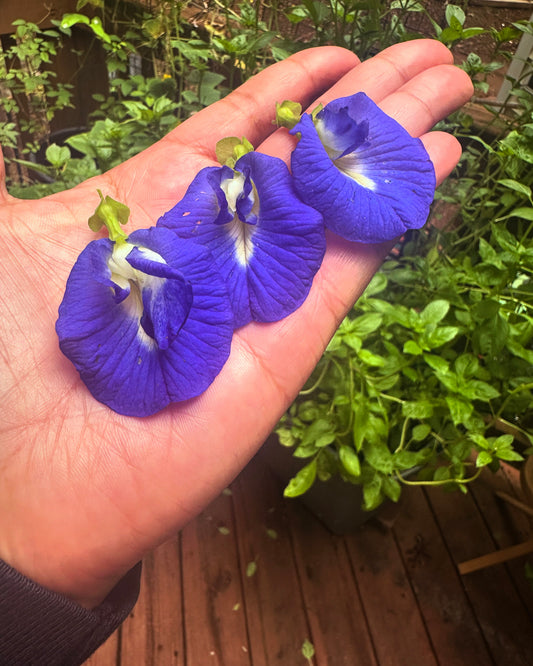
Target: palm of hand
91 491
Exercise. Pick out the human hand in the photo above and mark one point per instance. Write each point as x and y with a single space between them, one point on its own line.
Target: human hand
85 492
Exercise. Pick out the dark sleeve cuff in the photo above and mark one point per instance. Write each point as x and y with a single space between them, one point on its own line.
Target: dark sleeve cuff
39 627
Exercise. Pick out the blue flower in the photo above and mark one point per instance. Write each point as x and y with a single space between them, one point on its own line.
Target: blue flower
267 244
362 170
145 320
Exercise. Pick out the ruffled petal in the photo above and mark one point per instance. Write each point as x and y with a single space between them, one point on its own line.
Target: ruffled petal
368 188
135 368
268 265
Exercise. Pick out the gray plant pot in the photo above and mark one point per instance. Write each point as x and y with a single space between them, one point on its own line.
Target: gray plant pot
336 503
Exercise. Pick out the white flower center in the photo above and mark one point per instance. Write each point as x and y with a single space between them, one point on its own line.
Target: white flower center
239 232
126 277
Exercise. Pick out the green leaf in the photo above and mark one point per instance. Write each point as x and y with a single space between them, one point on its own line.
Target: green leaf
466 365
378 456
58 156
371 359
455 15
376 285
460 410
366 324
411 347
441 335
483 458
251 569
438 363
350 460
418 409
320 433
475 389
522 213
286 438
372 495
516 186
472 32
308 650
441 474
434 312
391 488
361 421
420 432
303 480
69 20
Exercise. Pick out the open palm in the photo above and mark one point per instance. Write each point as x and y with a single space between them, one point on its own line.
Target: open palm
84 492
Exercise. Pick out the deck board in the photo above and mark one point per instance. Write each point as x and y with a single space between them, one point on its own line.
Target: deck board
277 620
338 624
215 626
448 616
389 594
395 621
501 614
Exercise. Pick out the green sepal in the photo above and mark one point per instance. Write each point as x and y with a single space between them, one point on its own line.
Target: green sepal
112 214
288 114
230 149
316 111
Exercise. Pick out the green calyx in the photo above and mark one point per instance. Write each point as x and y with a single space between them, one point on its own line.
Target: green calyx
316 111
288 114
230 149
112 214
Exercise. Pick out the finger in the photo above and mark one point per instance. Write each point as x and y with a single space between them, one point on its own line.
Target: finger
390 69
422 66
444 151
250 109
161 173
420 103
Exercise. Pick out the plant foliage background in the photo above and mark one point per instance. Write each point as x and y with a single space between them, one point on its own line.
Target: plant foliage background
433 368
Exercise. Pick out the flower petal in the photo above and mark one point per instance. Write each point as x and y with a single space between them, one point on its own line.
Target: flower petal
138 369
270 259
368 188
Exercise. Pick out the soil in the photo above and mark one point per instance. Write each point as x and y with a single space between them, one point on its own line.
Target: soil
478 14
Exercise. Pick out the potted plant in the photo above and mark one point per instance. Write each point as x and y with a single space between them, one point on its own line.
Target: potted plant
429 378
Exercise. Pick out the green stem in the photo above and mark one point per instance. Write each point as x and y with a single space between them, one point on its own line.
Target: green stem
404 435
522 387
442 482
318 381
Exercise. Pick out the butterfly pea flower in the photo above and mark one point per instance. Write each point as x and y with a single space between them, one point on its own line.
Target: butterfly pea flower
145 319
267 244
362 170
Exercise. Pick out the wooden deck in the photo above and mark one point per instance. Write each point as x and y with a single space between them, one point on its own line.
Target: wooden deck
255 576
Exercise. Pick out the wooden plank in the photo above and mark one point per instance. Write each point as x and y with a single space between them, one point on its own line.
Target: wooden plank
215 627
509 525
41 12
107 654
394 618
510 4
503 618
452 626
164 591
496 557
338 625
135 634
275 611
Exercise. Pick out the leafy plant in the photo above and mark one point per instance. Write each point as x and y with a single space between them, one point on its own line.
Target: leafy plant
432 371
30 96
